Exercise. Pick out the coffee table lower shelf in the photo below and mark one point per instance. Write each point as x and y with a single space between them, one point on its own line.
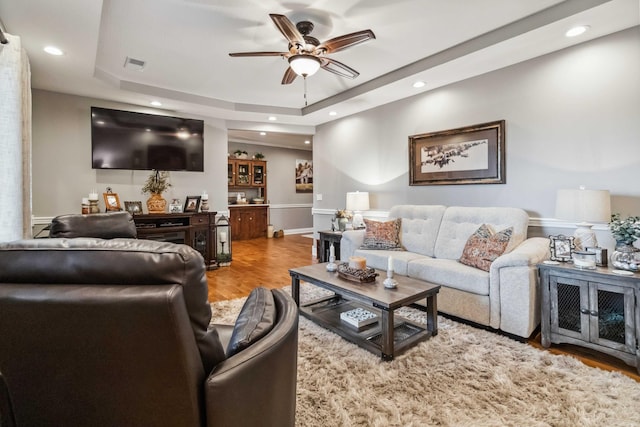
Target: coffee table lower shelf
326 312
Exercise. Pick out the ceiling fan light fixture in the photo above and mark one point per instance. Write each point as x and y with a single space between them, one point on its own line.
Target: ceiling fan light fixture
304 65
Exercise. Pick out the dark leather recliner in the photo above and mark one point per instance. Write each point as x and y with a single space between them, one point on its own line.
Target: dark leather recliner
108 225
116 333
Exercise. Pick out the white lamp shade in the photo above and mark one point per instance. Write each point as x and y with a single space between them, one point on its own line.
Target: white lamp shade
583 206
358 201
304 65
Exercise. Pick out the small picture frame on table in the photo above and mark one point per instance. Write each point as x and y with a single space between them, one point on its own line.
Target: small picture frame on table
562 248
191 204
175 206
134 208
111 201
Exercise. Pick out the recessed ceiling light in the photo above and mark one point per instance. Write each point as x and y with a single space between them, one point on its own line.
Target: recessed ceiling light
273 118
52 50
263 133
307 142
419 84
156 103
576 31
332 113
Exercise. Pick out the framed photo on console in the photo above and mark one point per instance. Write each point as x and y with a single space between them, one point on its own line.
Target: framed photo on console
192 204
134 208
111 201
562 247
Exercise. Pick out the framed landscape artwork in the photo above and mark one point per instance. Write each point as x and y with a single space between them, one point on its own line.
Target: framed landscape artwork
468 155
304 176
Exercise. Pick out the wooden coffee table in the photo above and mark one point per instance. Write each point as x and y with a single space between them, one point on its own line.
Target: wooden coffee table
390 334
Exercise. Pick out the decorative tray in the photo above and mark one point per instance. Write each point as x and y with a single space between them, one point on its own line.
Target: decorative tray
356 275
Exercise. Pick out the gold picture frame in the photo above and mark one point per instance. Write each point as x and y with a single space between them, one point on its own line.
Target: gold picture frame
111 202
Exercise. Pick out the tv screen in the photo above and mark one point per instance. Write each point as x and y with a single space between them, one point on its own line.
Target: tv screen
128 140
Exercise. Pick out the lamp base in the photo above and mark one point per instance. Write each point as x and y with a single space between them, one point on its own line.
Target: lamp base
584 237
357 223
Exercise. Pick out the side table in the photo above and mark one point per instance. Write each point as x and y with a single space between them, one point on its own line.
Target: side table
326 239
597 309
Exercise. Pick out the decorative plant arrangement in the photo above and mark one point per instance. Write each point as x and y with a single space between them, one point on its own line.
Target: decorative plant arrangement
258 156
342 216
156 184
626 232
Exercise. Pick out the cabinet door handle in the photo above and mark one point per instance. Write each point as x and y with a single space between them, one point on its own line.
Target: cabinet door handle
584 311
593 313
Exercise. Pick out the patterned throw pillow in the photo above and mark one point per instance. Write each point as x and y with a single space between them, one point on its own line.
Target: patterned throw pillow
483 247
382 235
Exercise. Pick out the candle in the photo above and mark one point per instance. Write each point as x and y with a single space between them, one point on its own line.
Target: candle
205 196
93 195
332 251
357 262
223 237
390 264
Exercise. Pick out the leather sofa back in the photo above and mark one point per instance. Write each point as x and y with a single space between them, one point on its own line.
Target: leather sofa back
108 225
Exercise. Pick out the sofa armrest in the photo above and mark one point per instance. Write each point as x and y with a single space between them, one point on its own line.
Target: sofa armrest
257 386
351 240
530 252
514 290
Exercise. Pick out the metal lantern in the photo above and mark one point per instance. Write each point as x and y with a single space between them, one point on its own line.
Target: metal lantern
223 241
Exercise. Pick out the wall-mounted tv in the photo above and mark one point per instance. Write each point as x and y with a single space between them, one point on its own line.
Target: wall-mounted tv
128 140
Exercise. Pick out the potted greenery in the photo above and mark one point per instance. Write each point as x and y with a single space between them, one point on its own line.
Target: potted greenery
156 184
343 216
626 232
258 156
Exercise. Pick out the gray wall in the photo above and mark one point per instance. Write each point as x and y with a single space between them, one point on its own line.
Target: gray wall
572 118
288 210
62 172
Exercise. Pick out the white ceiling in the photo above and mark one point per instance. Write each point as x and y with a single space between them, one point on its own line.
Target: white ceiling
185 44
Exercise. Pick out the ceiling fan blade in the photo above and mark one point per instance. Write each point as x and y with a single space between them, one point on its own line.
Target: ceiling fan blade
289 76
342 42
338 68
237 54
288 29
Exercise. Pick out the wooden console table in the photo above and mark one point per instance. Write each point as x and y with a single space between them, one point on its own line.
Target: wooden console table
194 229
597 309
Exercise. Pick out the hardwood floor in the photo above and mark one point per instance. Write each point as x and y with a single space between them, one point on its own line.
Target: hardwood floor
266 262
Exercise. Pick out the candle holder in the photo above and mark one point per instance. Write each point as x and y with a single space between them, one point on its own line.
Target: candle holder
389 282
332 266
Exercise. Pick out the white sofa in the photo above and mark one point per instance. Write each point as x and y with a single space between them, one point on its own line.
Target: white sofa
507 297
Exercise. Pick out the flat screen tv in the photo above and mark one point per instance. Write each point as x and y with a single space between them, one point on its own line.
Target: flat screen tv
128 140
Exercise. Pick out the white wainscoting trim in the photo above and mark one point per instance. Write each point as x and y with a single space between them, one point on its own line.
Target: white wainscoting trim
533 222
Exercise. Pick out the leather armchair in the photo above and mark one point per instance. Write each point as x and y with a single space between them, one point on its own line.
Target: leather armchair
117 333
108 225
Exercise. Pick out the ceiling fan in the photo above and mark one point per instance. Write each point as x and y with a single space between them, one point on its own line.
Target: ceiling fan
306 54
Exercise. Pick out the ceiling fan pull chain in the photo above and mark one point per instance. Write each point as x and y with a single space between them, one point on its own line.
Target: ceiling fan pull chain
305 90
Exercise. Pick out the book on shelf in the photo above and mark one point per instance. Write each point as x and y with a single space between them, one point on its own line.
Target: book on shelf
358 317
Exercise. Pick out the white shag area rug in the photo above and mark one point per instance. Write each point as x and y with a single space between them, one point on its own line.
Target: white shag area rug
462 377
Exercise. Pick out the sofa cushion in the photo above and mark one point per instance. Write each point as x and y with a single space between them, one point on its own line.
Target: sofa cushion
419 227
450 273
484 246
379 259
458 223
256 319
382 235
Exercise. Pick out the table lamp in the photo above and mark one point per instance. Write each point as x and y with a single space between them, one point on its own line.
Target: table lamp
356 203
583 207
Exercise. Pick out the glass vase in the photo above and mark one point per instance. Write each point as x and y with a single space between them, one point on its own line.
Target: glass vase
626 257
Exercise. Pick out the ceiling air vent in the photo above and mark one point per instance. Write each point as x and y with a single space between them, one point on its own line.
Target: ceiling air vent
134 64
